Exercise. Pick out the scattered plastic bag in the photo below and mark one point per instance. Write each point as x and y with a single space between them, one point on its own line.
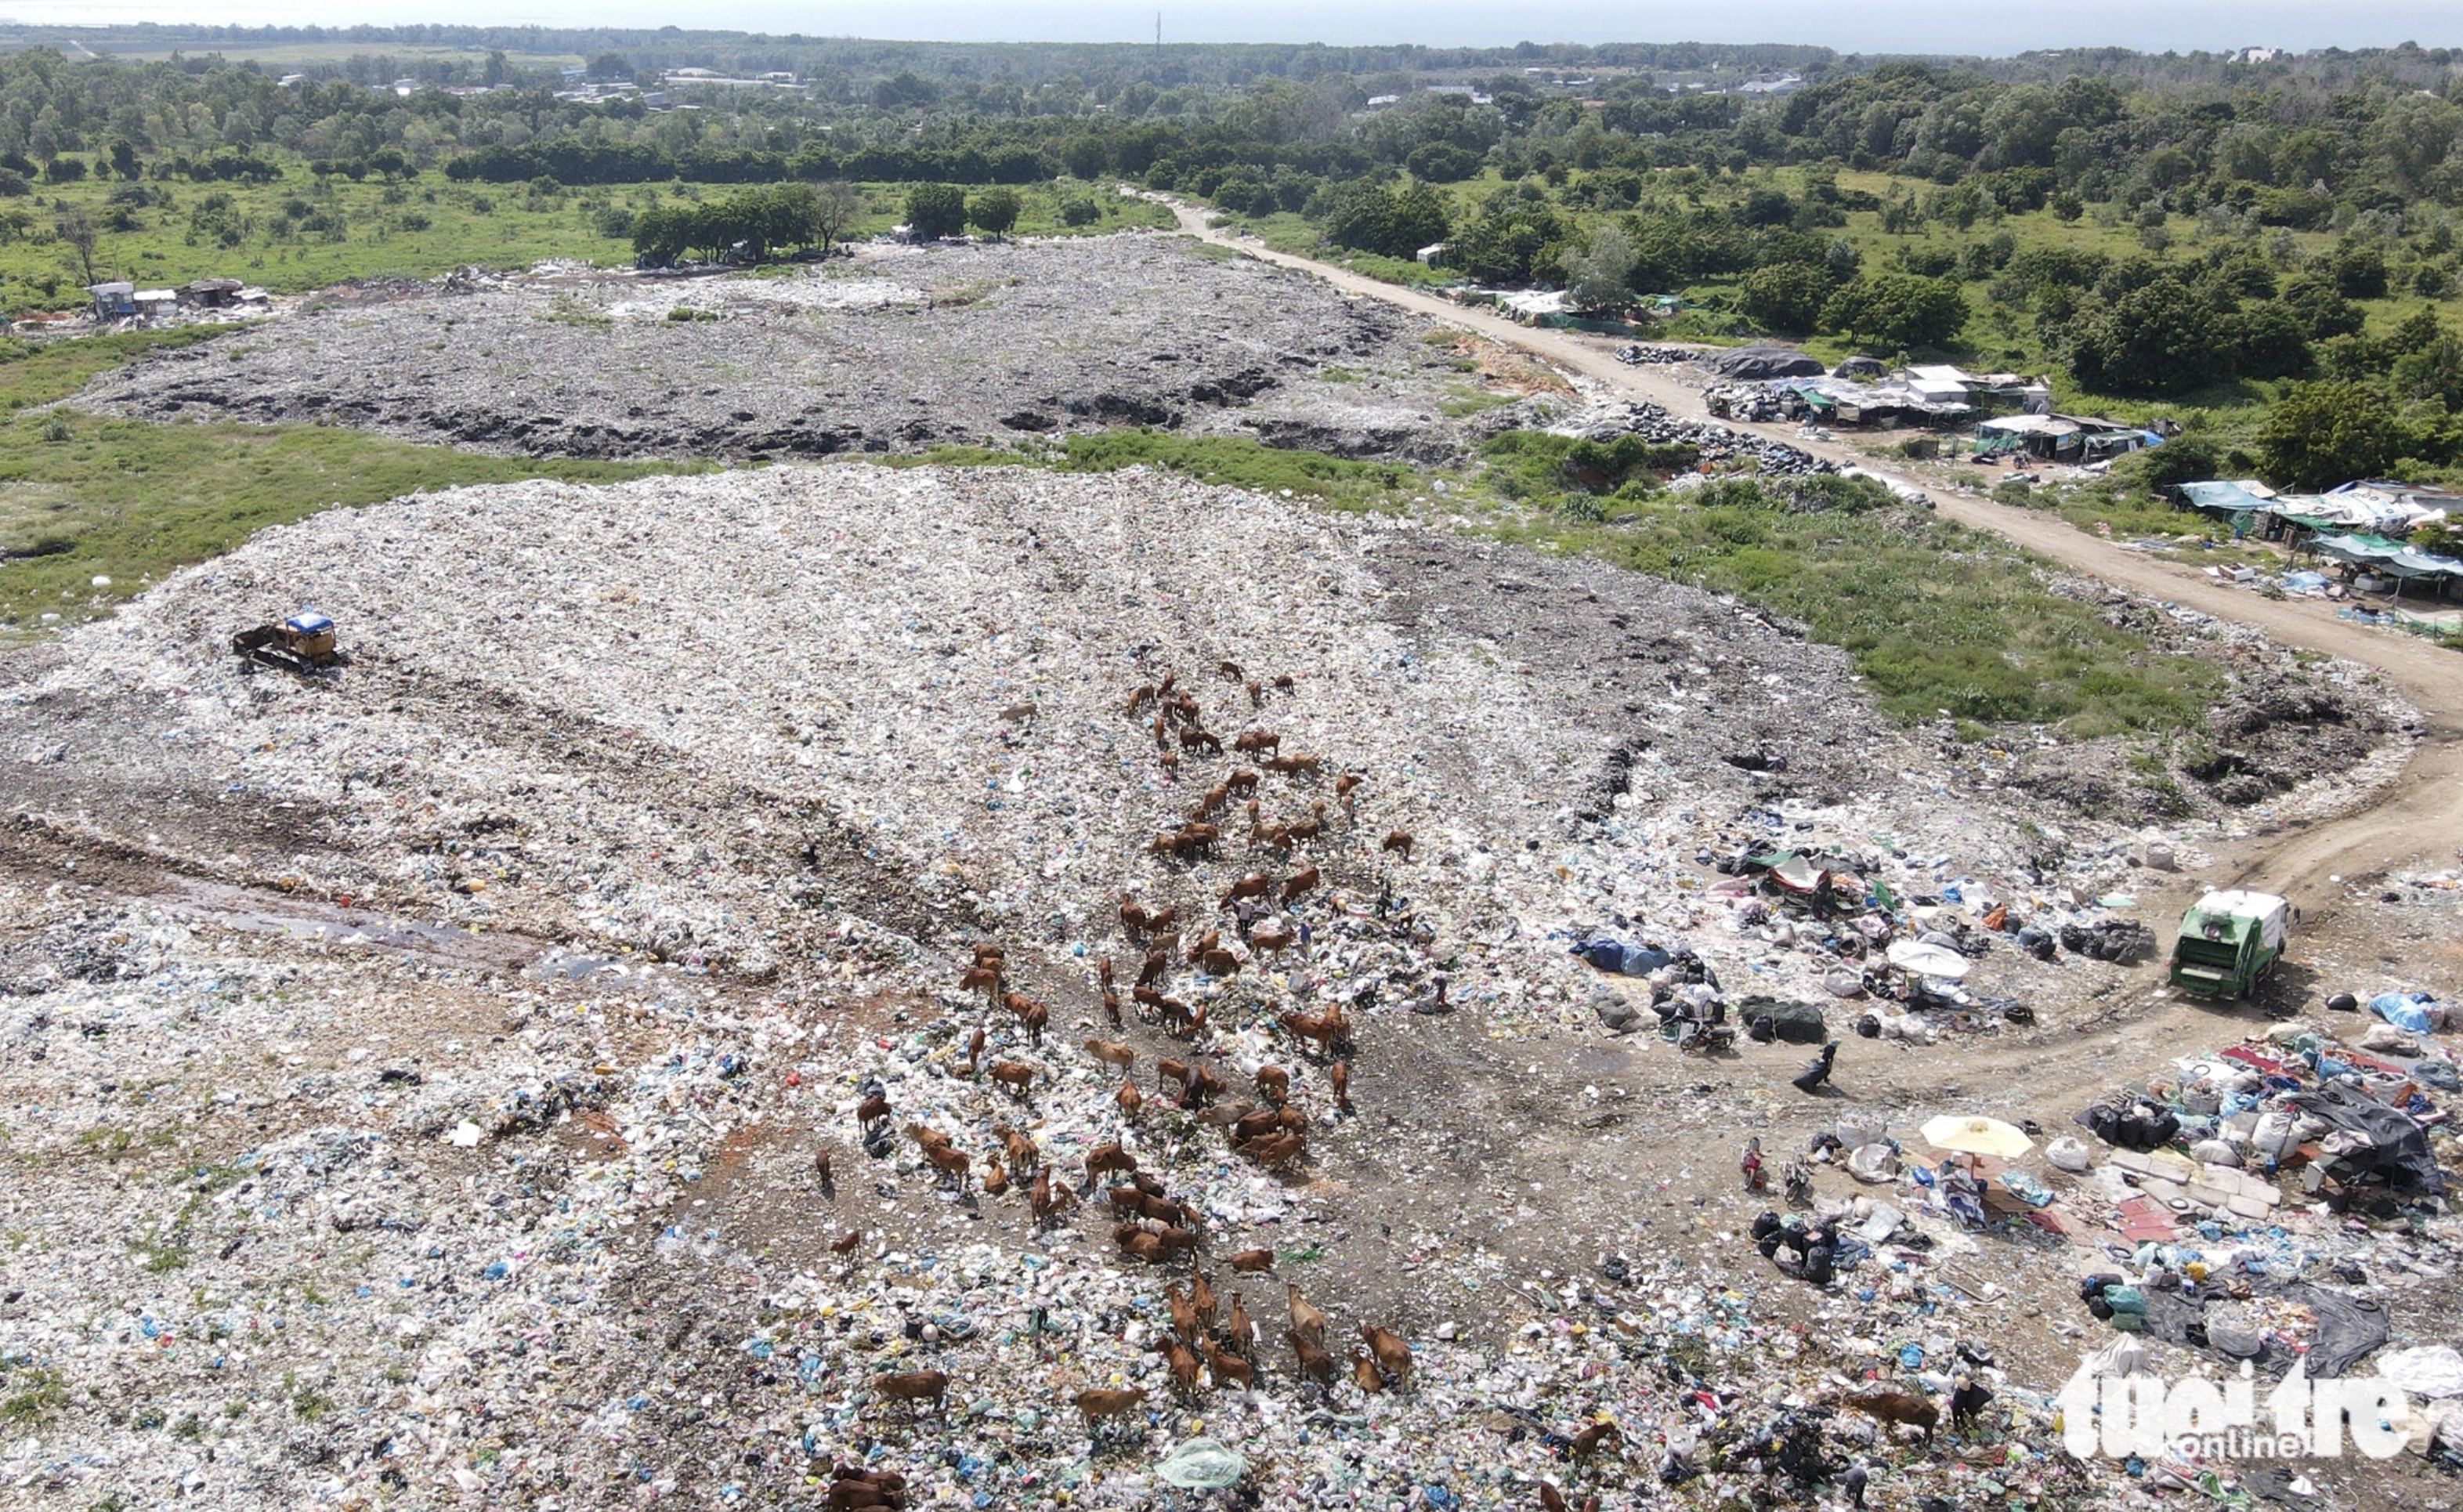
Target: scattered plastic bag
1202 1464
2068 1155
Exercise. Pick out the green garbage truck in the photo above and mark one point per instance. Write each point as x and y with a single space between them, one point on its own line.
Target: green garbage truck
2229 943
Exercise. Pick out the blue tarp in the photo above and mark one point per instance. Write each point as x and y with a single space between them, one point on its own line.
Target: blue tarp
2224 498
1626 960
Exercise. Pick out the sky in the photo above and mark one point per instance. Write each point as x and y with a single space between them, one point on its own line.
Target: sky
1874 26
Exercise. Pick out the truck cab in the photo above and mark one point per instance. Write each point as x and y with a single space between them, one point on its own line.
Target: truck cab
2229 943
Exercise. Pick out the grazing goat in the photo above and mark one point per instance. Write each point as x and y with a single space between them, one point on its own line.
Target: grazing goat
1895 1408
1252 1262
1300 883
1100 1405
1112 1053
1015 1075
1399 844
1274 1084
915 1386
1391 1353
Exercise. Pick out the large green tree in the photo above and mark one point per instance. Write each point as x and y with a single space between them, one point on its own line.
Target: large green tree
1785 297
2323 434
1893 309
935 210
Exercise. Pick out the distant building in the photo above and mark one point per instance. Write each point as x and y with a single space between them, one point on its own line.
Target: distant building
113 301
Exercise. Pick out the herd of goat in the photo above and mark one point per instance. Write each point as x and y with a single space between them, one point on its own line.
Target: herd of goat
1206 1341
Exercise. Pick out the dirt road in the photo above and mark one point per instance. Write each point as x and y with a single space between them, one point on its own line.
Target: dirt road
2418 820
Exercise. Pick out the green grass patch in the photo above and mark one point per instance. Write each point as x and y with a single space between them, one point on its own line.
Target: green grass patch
1937 616
83 497
1233 461
35 1394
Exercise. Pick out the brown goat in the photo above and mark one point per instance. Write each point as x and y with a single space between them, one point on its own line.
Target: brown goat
1274 1149
1140 1244
1242 783
1295 765
1100 1405
925 1136
1015 1075
1271 938
1345 784
975 1052
1364 1373
872 1111
1112 1053
1391 1353
1112 1007
1182 1363
1229 1368
1256 885
1168 1069
949 1162
1034 1020
1274 1084
1298 883
1586 1443
1257 740
1895 1408
1314 1363
1398 842
1340 1075
1251 1262
1325 1030
915 1386
1044 1200
985 977
1219 962
1305 1316
1130 1099
1019 1148
1237 1328
1108 1157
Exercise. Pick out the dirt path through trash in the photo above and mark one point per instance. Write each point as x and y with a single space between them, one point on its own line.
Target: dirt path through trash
2418 817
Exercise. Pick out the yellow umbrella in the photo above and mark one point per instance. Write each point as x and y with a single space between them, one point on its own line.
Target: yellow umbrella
1976 1136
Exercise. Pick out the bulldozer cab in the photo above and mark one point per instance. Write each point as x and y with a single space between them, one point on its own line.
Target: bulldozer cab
301 642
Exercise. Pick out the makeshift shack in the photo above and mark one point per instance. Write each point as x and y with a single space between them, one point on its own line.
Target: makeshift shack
113 301
213 294
2073 439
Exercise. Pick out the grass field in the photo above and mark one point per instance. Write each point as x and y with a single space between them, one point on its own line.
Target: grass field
93 510
301 233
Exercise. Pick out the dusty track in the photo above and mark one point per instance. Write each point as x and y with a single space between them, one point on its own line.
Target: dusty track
2418 817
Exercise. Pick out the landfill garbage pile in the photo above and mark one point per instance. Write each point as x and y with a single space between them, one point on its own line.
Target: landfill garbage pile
1640 354
1756 403
842 1003
900 349
1602 418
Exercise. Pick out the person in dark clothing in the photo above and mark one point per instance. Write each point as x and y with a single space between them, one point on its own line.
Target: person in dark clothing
1818 1069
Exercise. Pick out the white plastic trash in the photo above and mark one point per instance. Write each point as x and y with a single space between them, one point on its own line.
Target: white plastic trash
1875 1162
2068 1155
